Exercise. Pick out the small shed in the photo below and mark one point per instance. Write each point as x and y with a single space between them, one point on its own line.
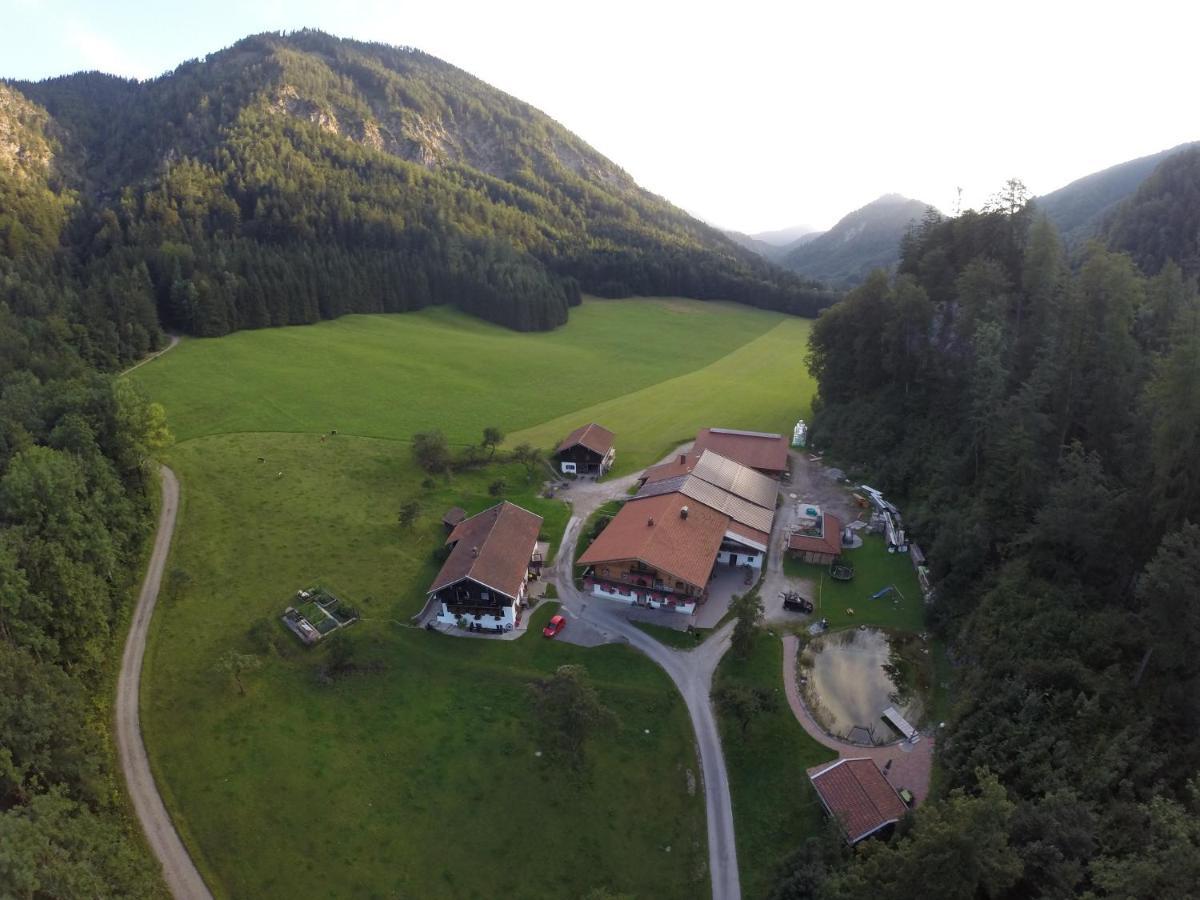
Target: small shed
858 797
588 450
819 543
453 516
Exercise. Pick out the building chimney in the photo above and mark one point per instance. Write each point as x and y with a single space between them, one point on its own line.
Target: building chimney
682 458
474 552
650 521
683 511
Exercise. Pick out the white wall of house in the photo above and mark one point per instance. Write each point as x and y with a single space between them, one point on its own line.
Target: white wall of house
633 596
505 616
747 557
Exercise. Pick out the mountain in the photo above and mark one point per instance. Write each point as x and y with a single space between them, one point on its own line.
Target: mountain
292 178
762 248
1161 221
773 251
782 237
1079 209
866 239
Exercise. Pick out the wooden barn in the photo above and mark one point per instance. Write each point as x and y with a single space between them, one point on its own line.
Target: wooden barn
588 450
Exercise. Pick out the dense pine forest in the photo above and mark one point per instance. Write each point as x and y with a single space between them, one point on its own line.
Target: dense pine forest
75 508
295 178
1041 416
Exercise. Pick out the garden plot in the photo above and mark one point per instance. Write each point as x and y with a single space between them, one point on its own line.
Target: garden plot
317 614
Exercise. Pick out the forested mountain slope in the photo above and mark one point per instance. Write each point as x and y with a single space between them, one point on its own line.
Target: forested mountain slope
1042 424
74 510
1161 221
1081 209
292 178
866 239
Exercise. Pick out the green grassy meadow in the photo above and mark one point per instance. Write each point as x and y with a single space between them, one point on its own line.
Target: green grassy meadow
415 775
774 804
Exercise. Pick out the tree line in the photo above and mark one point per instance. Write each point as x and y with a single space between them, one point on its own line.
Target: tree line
1040 417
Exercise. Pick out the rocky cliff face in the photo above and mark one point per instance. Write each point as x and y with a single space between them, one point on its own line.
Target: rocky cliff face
25 151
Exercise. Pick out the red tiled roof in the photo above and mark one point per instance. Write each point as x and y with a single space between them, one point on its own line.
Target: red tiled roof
595 437
680 464
829 542
493 548
858 796
684 548
756 449
454 515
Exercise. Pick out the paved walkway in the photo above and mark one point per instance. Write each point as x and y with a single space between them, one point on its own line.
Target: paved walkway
179 871
910 764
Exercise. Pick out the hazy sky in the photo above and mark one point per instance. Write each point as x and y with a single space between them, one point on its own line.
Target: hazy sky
751 115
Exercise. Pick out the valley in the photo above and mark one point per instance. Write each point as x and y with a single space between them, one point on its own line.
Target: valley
379 777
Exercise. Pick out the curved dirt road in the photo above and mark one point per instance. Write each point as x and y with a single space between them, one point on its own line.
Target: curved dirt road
691 670
178 869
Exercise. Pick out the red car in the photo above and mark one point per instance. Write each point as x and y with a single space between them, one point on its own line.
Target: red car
554 626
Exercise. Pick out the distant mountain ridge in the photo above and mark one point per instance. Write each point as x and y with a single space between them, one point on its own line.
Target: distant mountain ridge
1080 209
866 239
295 177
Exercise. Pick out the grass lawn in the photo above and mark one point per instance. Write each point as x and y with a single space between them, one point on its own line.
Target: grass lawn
874 568
774 805
680 640
763 385
390 770
415 776
393 375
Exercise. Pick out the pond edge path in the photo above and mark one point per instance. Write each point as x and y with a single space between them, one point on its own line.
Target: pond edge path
911 764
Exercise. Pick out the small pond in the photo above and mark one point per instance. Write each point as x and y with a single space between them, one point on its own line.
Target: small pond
848 678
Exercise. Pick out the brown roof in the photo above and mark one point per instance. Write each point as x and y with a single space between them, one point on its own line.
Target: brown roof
680 464
830 540
858 796
714 497
756 449
595 437
752 535
454 515
492 548
747 483
684 548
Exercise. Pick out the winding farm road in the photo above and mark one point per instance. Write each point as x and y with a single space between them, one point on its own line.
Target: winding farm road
691 670
178 869
155 355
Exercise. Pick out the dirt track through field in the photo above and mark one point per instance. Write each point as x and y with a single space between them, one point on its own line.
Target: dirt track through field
179 871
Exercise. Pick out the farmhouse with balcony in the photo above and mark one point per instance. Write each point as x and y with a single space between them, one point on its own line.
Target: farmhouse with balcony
484 578
588 450
663 547
657 551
